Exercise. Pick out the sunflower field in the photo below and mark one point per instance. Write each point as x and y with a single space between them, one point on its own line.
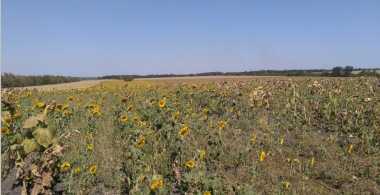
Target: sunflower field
258 136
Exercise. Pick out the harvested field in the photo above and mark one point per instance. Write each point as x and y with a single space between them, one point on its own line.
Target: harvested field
73 85
211 78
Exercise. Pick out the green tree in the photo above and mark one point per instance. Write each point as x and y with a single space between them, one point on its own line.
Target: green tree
337 71
348 70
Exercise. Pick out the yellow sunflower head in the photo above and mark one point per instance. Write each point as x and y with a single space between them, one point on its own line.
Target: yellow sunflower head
124 118
140 142
93 169
184 131
4 130
190 164
65 166
161 103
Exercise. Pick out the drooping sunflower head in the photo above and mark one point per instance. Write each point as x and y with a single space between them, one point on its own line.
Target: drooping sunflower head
136 118
184 131
77 170
17 116
190 164
8 120
70 98
143 124
202 155
222 124
140 142
130 108
157 183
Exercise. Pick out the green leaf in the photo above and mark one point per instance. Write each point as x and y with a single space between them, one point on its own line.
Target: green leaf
215 183
14 147
43 136
15 139
29 145
33 121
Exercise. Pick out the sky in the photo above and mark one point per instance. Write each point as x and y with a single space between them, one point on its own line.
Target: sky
90 38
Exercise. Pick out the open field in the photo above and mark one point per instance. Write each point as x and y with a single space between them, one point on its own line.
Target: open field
61 86
210 78
220 135
358 71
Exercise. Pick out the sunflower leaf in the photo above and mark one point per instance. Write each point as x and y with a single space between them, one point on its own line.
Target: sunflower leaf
43 137
29 145
33 121
15 139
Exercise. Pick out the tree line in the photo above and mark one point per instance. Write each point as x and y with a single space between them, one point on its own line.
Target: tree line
335 72
11 80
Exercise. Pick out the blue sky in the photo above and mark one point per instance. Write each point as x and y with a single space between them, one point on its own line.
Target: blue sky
97 37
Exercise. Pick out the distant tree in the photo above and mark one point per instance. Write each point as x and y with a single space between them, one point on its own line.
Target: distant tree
337 71
128 78
348 70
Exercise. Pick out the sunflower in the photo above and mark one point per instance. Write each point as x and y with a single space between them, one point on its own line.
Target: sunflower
67 113
176 116
96 112
350 148
222 124
312 161
8 120
70 98
281 141
124 118
140 142
130 108
90 146
184 131
161 103
41 105
193 115
287 184
64 107
190 164
254 138
207 193
136 118
77 170
79 99
152 100
202 155
58 107
65 166
4 130
17 116
93 169
205 111
262 156
157 184
124 99
143 124
259 104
